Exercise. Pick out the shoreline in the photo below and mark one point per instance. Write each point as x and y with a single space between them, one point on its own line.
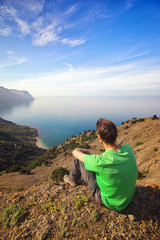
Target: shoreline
39 144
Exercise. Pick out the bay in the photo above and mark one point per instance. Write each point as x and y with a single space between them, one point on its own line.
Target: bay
58 118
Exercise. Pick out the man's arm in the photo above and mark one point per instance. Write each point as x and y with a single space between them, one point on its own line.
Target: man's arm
80 153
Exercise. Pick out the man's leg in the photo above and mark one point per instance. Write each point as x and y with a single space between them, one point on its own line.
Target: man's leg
89 177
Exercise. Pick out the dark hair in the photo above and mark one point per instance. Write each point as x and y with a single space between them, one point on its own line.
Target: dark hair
107 130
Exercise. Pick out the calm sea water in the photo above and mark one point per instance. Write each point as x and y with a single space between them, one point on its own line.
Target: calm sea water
58 118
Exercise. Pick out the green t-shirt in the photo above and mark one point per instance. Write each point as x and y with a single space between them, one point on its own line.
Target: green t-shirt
116 174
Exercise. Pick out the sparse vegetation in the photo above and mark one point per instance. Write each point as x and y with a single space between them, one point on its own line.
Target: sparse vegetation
95 215
13 214
80 201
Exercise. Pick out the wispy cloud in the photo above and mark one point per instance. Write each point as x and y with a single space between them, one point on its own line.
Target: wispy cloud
130 4
24 27
43 30
72 42
126 79
12 60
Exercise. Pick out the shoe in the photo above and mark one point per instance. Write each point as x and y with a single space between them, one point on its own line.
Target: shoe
68 180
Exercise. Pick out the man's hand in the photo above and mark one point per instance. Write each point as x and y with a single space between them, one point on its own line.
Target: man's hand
80 153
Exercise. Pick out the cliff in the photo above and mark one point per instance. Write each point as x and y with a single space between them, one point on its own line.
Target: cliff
9 97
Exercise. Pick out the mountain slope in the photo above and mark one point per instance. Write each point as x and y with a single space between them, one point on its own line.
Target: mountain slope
10 96
143 136
17 146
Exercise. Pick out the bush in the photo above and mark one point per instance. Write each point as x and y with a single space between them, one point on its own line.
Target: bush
155 149
139 143
58 174
154 117
141 175
126 127
25 171
13 168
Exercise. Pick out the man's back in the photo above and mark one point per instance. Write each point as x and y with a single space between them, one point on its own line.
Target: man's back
116 174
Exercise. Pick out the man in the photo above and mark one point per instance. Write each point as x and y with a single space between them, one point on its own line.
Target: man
111 176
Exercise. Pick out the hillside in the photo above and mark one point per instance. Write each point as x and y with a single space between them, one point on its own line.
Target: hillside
44 209
143 136
17 147
10 97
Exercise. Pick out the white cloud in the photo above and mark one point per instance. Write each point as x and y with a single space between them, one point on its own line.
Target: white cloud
73 42
43 30
34 5
45 35
126 79
24 27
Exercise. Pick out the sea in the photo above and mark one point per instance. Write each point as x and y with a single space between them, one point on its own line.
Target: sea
58 118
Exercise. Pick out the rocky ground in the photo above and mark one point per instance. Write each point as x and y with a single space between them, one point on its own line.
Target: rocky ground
58 211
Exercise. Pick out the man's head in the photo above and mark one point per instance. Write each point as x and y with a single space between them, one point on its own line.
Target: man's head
107 131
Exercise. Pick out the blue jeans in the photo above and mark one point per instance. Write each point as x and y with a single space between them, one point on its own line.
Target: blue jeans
89 177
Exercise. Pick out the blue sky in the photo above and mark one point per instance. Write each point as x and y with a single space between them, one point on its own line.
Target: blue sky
81 48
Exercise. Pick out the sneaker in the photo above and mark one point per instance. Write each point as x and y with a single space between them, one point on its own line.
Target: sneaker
68 180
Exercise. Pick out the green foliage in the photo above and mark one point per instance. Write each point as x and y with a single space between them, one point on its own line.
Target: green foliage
13 214
17 146
58 174
126 127
139 143
155 149
80 202
25 171
137 120
154 117
50 206
95 215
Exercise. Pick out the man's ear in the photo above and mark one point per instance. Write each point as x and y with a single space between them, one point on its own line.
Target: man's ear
99 137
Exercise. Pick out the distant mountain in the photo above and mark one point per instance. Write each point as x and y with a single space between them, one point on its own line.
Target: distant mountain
11 96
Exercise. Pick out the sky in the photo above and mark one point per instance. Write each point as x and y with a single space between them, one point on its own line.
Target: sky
81 48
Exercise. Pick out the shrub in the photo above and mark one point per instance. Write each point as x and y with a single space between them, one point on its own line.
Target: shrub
25 171
13 168
141 175
154 117
58 174
155 149
139 143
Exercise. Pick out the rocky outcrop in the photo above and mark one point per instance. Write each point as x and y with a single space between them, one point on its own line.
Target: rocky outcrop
10 96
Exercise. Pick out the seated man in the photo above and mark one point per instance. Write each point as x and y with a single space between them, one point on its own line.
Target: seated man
111 176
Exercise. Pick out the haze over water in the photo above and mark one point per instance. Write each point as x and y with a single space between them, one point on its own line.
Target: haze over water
58 118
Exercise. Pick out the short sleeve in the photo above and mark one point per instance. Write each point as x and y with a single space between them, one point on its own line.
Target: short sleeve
93 163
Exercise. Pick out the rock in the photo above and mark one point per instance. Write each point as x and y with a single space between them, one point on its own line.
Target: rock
131 217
